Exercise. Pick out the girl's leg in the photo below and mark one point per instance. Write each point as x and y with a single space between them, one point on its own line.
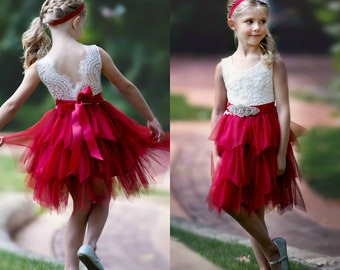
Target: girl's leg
260 257
96 222
98 214
255 226
74 233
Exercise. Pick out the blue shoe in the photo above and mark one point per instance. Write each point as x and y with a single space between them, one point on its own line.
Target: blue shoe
88 257
282 247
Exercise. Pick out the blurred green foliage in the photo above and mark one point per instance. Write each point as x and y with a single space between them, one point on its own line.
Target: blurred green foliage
135 34
320 160
328 13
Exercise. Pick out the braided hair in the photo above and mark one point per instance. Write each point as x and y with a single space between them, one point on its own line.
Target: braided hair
36 41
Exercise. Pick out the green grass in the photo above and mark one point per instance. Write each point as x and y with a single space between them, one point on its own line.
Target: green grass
13 262
181 110
327 97
227 255
10 177
320 160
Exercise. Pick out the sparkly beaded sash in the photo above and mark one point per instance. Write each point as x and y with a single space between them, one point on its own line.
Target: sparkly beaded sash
244 110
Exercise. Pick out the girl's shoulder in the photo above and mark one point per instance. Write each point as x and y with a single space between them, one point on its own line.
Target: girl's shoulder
279 64
91 47
226 59
223 64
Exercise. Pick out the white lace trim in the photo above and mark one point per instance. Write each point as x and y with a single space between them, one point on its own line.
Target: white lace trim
250 87
61 87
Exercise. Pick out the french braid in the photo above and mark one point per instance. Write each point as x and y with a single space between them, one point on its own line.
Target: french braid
35 40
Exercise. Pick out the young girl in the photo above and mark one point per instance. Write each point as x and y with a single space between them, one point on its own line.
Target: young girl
84 147
256 167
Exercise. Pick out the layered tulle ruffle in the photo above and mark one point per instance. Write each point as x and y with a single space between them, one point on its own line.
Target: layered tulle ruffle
246 174
91 149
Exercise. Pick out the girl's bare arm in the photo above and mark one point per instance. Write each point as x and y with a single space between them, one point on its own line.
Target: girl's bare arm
283 110
220 97
11 107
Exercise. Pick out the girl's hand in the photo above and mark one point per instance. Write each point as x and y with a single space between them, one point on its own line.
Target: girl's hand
281 164
1 140
156 130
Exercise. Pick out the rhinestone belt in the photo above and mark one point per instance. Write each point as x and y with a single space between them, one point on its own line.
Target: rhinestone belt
242 110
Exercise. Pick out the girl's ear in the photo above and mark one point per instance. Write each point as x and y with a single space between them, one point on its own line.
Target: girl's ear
231 24
75 22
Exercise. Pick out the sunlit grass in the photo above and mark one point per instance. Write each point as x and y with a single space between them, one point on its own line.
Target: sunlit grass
10 177
14 262
180 109
227 255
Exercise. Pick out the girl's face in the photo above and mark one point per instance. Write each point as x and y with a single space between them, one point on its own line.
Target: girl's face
250 26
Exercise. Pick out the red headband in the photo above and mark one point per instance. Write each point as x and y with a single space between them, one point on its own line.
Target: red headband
70 16
234 7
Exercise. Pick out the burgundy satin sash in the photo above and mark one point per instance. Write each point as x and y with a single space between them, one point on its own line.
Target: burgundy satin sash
81 124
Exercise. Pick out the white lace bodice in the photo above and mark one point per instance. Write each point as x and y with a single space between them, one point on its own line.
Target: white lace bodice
252 86
61 87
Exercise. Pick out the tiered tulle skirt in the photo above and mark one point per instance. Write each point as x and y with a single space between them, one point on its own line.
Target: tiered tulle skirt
246 174
90 149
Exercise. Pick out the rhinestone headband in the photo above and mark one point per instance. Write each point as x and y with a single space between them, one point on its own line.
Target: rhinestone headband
70 16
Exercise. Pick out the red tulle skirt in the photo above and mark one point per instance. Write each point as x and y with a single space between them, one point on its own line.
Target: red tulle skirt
90 149
246 174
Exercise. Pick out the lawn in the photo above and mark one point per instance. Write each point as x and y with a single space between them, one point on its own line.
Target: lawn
227 255
14 262
181 110
10 177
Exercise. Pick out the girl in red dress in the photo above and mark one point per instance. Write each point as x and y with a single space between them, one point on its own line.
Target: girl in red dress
255 167
84 147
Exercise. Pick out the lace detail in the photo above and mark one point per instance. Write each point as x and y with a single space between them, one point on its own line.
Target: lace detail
250 87
61 87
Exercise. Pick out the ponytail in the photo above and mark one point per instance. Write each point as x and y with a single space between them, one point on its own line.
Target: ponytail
36 43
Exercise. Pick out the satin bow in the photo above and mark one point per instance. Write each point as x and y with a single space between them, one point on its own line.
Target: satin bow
82 128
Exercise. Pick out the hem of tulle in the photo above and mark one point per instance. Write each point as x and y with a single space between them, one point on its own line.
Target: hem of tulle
114 136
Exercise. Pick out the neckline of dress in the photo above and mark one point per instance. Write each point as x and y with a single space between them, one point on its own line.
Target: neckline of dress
242 69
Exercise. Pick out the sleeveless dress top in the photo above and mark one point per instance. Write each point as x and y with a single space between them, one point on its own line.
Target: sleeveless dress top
61 87
252 86
85 146
247 138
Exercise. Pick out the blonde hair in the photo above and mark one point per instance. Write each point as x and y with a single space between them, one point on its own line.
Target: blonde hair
267 45
36 42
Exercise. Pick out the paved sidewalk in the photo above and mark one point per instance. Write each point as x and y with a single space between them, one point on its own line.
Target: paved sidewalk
182 258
